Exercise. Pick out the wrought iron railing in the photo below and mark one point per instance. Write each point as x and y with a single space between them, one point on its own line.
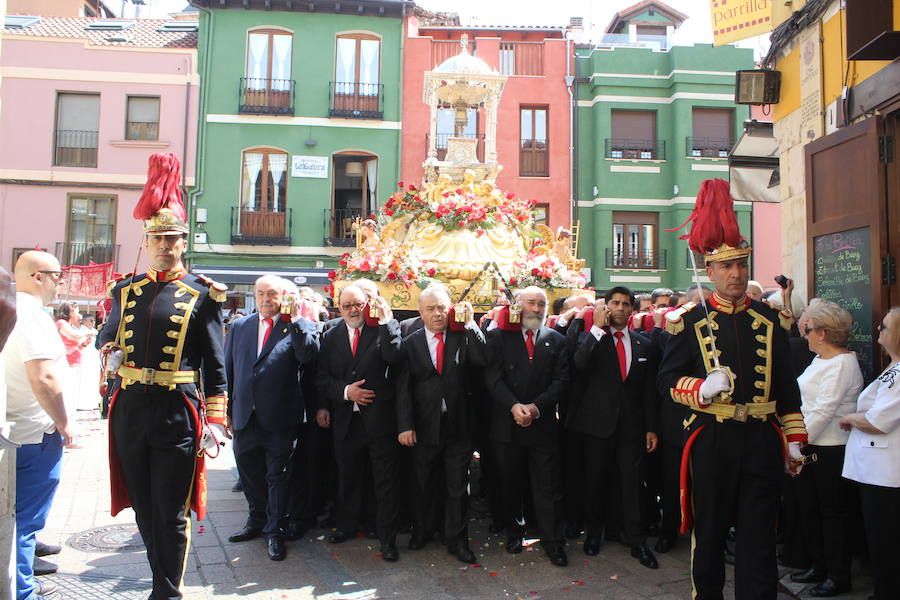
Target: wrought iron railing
354 100
259 96
708 147
646 259
338 226
75 148
261 227
635 149
441 140
82 253
142 130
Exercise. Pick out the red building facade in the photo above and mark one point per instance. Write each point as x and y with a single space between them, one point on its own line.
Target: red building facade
533 121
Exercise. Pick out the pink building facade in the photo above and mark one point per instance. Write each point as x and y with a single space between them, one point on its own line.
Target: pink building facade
84 104
766 231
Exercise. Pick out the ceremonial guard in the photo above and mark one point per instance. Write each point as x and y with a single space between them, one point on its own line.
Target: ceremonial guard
728 361
163 342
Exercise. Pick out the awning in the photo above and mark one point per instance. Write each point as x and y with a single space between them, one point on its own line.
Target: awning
753 165
248 275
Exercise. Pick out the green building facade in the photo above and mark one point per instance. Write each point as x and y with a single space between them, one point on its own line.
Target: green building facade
653 121
299 133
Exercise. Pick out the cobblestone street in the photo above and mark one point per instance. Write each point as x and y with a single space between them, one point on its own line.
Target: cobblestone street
90 569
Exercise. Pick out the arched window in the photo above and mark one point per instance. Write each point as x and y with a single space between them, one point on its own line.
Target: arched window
264 180
357 76
267 86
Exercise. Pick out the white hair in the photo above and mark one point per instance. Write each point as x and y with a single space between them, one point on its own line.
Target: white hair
532 289
434 290
289 287
275 280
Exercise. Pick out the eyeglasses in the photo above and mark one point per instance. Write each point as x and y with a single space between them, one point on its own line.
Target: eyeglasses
57 275
349 307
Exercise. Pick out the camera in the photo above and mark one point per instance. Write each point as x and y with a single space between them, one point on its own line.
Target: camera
782 281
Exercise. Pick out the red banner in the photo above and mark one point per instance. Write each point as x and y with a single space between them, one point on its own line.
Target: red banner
87 281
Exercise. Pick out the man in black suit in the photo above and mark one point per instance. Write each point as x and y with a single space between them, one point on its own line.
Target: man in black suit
265 357
526 375
434 417
353 380
615 417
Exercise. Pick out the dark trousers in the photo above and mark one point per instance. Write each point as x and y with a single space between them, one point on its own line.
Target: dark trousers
823 500
442 470
736 470
313 474
670 460
518 462
573 475
156 442
263 460
350 454
794 551
600 457
882 522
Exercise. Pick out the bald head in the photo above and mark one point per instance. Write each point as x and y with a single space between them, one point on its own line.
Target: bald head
38 273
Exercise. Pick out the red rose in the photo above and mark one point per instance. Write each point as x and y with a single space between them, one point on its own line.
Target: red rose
535 271
446 194
400 184
412 188
342 262
480 232
513 281
510 195
432 271
327 289
392 276
345 255
371 216
459 191
389 213
462 223
332 274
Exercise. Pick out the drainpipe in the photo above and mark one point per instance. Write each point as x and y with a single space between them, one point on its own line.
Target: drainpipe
570 82
199 166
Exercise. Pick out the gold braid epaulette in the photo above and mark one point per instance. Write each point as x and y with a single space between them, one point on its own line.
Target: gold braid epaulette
217 291
112 283
674 318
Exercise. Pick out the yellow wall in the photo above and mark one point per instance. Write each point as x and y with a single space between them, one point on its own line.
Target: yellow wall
834 67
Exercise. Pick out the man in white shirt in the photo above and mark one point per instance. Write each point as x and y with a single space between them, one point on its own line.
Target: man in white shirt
34 359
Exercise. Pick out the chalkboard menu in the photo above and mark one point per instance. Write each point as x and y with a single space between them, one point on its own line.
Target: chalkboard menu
843 275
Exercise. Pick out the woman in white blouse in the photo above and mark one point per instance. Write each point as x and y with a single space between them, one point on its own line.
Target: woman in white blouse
873 459
828 388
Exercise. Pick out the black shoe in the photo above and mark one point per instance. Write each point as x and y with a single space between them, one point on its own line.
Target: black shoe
275 547
237 487
43 589
463 553
558 556
573 530
591 545
339 536
389 552
812 575
294 531
42 566
514 545
829 588
644 556
247 533
42 549
417 541
665 543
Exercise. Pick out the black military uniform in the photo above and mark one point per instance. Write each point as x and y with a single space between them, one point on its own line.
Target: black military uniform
171 334
735 447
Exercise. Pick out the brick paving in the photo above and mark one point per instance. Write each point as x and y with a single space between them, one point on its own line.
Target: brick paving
315 569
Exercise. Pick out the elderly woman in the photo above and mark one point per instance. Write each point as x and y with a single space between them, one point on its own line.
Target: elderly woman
828 387
873 459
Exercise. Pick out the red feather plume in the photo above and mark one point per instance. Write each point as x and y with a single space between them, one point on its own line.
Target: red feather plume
713 221
162 189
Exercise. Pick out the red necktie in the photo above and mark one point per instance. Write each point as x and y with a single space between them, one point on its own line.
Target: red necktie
355 341
620 351
529 343
439 354
268 323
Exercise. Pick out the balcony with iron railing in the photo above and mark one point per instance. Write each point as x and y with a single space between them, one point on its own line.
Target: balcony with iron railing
708 147
628 149
258 96
75 148
353 100
260 227
645 259
338 226
441 140
82 253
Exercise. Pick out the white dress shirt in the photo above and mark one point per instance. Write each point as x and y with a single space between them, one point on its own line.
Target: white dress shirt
599 332
351 331
829 388
874 458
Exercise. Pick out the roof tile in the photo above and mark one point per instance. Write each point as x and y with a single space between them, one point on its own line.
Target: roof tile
144 33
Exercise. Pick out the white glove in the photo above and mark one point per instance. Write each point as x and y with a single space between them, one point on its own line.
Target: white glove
715 383
213 436
114 361
795 455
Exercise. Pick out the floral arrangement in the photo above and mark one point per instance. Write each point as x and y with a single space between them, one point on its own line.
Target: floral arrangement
459 209
393 262
544 270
